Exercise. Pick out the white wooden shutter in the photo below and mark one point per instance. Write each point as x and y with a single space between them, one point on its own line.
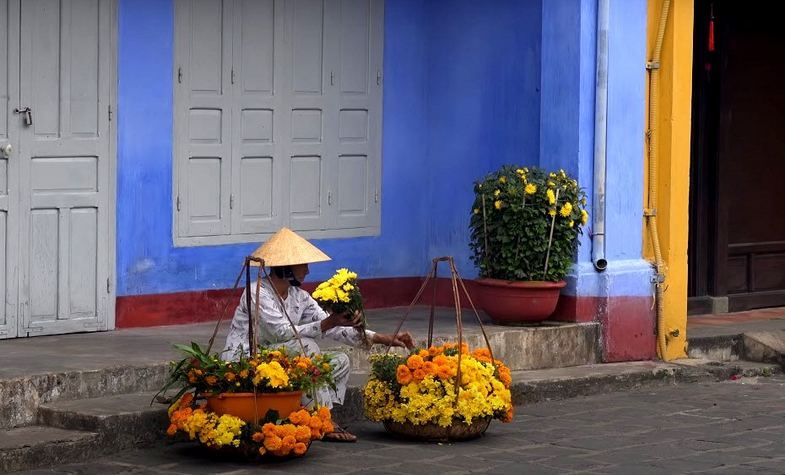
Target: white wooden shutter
353 141
258 114
203 99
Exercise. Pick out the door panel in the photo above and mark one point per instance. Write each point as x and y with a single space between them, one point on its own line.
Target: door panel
66 49
203 115
257 107
9 166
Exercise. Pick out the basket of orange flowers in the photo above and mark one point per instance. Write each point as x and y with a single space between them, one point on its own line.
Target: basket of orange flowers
441 392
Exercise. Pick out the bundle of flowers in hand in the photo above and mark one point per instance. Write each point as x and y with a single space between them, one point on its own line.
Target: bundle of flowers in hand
221 403
419 395
290 436
341 294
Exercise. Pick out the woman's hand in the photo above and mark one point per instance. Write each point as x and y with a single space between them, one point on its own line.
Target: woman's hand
403 340
342 320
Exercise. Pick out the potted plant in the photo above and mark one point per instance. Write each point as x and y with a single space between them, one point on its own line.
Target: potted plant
424 396
524 225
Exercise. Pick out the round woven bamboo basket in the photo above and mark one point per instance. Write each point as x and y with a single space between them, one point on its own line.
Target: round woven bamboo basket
458 430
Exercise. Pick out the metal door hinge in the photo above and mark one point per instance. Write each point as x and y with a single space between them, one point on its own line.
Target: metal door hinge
108 285
231 201
232 76
177 202
378 77
110 113
329 198
376 196
179 75
332 78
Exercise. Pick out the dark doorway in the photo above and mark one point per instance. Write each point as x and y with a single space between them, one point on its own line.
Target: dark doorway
737 182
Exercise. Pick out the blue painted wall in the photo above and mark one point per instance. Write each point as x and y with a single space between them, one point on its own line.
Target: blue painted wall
483 106
461 97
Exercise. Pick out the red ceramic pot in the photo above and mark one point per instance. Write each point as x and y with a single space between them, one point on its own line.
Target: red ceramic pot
518 302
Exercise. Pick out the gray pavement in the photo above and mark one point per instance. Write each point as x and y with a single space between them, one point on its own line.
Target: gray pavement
727 427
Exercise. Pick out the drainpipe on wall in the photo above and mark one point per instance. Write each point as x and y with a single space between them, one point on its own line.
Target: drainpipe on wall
600 135
650 212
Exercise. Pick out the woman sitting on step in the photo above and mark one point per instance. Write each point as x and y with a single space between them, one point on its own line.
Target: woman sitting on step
288 256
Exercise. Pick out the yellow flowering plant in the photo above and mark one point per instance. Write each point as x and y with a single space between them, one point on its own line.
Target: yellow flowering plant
268 371
273 437
421 388
525 223
341 294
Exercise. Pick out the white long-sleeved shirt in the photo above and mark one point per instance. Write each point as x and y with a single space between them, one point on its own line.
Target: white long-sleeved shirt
274 329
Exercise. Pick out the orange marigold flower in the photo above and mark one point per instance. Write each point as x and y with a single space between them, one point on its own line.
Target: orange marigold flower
211 380
482 354
423 354
324 413
303 433
230 376
444 372
262 451
429 368
257 437
414 362
300 448
435 350
403 375
244 373
505 377
315 423
268 429
441 360
192 377
316 434
328 427
171 430
464 348
289 430
419 374
272 443
288 442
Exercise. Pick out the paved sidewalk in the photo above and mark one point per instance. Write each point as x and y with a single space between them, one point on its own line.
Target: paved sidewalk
729 427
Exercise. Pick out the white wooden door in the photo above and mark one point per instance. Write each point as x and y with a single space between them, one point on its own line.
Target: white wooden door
65 156
9 165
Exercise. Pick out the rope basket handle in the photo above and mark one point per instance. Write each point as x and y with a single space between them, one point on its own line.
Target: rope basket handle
457 285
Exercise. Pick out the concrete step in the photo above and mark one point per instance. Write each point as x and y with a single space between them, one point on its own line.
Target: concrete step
31 447
757 346
552 345
122 421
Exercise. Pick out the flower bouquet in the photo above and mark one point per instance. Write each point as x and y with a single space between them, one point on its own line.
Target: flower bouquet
341 294
272 438
421 397
222 403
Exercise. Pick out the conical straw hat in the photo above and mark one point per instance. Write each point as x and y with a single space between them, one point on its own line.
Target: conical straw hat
287 248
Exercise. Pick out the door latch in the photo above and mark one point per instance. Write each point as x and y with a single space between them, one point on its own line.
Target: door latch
28 112
6 150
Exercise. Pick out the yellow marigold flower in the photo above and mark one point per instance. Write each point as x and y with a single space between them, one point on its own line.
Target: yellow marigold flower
552 212
476 210
519 171
551 196
497 193
530 189
498 204
566 209
502 179
584 216
571 223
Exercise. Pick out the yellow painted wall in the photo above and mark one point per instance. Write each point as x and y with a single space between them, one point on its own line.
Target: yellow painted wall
673 177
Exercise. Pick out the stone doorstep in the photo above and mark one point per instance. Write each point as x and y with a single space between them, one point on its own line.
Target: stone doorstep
70 431
37 446
760 346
